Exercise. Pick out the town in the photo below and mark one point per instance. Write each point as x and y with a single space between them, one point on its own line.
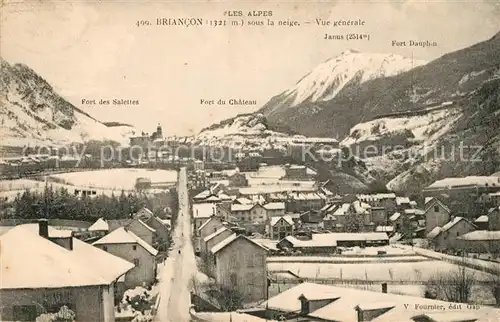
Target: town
259 238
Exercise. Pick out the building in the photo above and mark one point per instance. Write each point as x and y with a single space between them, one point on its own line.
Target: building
436 214
281 227
238 180
201 213
44 269
211 240
275 209
249 213
480 242
443 238
327 303
240 264
461 195
209 227
198 165
99 228
161 240
329 242
127 245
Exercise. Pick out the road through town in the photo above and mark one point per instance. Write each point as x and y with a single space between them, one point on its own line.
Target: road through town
180 266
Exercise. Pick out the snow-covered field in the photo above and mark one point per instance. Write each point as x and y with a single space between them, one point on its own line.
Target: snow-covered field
116 178
393 271
345 259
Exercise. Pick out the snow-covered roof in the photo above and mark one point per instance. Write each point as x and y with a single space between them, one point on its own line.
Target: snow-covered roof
207 221
361 207
243 201
231 239
376 196
481 235
453 222
435 201
342 210
202 195
414 211
275 220
216 233
402 200
245 207
466 181
24 250
344 302
388 229
434 232
275 206
123 236
482 218
369 236
204 210
395 216
146 226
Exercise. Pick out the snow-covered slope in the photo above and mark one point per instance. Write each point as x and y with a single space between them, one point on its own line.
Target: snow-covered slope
349 68
330 77
33 114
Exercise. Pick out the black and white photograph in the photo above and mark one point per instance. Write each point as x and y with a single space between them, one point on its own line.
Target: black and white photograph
250 161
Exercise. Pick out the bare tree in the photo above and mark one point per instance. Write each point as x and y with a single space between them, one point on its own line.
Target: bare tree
493 283
455 286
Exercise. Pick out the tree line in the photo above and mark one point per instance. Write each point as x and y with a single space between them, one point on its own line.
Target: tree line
60 204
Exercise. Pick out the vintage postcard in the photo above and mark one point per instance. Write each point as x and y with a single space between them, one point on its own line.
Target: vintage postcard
289 160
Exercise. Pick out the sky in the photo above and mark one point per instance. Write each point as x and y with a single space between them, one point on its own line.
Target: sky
95 50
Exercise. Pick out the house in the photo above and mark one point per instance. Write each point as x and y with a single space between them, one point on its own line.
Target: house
142 230
209 227
482 222
275 209
143 214
280 227
240 264
383 200
43 269
211 240
137 226
327 303
127 245
249 213
238 180
201 213
480 242
161 238
396 220
436 214
403 203
329 242
445 237
99 227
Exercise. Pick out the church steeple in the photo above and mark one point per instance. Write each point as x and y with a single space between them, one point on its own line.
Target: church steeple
159 132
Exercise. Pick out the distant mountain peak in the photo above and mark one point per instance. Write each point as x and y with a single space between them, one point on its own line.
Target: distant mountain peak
351 67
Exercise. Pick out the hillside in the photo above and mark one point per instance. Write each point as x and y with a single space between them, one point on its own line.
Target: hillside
32 113
447 78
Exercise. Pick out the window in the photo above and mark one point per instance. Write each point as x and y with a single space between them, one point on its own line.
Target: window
136 262
134 247
250 260
436 208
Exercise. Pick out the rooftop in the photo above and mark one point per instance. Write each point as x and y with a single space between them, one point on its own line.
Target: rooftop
481 235
123 236
99 225
393 307
23 249
204 210
226 242
483 181
287 218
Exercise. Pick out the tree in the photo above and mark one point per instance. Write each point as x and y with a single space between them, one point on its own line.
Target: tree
353 223
455 286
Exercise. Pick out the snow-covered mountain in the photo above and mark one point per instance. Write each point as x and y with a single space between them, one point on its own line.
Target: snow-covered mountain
328 79
32 113
351 68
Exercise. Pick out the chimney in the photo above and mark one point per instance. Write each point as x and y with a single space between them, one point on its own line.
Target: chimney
384 287
43 228
304 305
